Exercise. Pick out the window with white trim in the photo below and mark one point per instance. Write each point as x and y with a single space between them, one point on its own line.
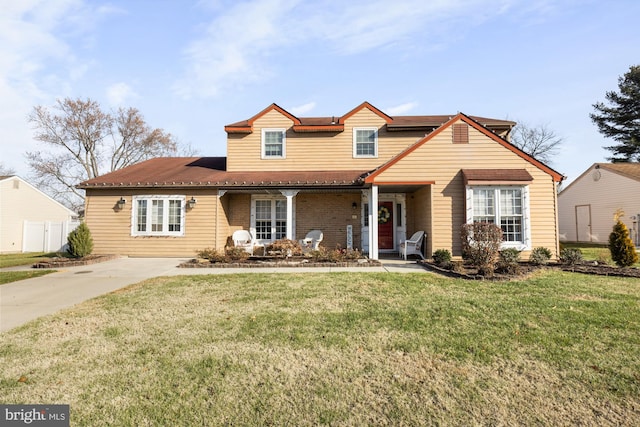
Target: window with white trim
158 216
505 206
365 142
269 219
273 143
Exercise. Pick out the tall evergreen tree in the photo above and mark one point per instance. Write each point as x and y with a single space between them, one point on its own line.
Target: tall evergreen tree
620 120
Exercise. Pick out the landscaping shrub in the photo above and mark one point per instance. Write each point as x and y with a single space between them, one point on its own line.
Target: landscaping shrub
213 255
540 256
442 257
509 261
570 256
80 241
236 254
480 245
323 254
623 252
285 248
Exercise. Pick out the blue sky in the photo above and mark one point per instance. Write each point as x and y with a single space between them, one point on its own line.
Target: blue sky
192 67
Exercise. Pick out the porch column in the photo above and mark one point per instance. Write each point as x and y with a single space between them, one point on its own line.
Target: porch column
289 194
373 223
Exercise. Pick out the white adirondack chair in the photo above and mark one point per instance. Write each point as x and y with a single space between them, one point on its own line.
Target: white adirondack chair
413 245
243 239
312 240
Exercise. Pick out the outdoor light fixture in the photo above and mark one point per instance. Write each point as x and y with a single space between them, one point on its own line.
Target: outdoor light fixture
354 206
121 202
191 203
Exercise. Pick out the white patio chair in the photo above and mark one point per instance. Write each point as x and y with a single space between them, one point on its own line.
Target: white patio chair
243 239
413 245
312 240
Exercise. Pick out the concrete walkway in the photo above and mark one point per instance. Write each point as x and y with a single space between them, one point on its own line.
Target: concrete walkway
26 300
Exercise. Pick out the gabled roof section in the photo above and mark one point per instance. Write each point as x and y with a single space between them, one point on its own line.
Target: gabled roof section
246 126
468 120
629 170
8 177
368 106
336 123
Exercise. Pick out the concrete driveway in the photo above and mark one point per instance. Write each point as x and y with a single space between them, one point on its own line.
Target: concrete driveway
29 299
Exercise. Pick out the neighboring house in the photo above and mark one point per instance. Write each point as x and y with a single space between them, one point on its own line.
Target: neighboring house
588 205
285 175
30 220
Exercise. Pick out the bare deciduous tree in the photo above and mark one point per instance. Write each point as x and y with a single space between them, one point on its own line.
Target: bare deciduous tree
5 170
85 142
539 142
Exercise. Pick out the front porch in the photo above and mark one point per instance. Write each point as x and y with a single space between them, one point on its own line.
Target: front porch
344 216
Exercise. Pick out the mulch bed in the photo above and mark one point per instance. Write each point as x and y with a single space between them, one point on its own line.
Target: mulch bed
61 262
470 273
262 263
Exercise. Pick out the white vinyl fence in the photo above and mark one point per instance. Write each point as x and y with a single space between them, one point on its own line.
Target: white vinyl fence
46 236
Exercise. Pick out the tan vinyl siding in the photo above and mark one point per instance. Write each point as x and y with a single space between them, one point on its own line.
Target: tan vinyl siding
315 151
111 228
441 161
606 195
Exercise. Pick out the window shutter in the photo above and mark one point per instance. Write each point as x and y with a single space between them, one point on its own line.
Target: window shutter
460 133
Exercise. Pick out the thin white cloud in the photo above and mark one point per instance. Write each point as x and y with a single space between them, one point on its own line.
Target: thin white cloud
239 43
303 109
36 65
401 109
119 93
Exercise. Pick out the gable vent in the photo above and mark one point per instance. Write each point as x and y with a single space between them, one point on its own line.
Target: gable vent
460 133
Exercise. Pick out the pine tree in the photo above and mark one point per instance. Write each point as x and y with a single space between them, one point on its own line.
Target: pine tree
80 241
620 120
622 250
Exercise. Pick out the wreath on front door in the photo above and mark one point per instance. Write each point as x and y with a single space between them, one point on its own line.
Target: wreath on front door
383 215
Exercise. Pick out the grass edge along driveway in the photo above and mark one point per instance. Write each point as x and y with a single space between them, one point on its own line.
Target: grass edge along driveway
338 348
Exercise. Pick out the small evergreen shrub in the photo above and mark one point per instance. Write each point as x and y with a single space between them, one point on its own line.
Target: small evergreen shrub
442 257
623 252
509 261
213 255
80 241
540 256
480 245
571 256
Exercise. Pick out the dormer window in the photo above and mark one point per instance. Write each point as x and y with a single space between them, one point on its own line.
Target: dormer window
365 142
273 143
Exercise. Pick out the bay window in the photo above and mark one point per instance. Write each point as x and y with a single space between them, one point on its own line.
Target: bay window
158 216
505 206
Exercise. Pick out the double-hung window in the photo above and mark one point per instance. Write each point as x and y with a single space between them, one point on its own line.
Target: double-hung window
269 219
273 143
505 206
365 142
158 216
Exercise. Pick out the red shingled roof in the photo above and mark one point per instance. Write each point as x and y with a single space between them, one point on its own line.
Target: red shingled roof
502 175
211 172
336 123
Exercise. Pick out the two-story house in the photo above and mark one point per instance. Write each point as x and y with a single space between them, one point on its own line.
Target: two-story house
367 180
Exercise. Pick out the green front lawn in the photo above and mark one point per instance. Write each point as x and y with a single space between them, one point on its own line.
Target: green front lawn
13 260
594 252
14 276
342 349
